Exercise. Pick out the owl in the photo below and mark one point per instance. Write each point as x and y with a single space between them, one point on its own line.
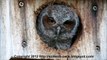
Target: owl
57 25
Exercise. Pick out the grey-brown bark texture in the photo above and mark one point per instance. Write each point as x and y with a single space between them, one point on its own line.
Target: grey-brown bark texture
18 35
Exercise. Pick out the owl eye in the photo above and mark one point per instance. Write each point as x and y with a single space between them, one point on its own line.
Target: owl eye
48 21
51 20
69 25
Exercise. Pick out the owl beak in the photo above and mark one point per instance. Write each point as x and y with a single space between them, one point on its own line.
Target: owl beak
58 30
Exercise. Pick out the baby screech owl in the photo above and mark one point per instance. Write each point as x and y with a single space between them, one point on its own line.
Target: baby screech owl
57 25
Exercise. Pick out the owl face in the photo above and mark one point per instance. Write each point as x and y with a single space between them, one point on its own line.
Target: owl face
57 25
